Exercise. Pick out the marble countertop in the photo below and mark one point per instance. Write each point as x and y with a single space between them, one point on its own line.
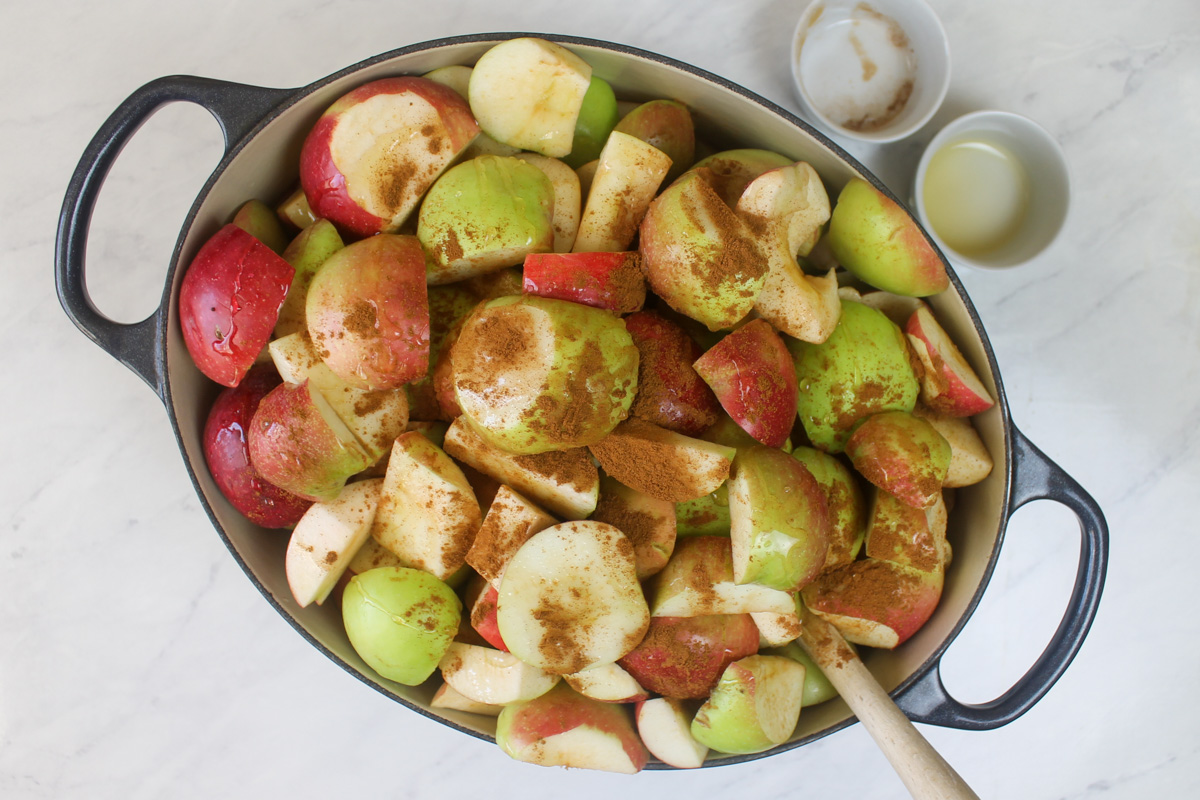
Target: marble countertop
136 659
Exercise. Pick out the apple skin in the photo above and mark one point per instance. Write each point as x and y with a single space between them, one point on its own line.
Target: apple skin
368 312
913 537
683 657
704 516
671 393
229 302
483 618
228 454
597 118
754 707
667 125
306 253
845 501
949 385
902 454
874 602
433 106
879 242
260 221
733 170
752 375
612 281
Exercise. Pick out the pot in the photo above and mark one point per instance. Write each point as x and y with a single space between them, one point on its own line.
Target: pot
263 129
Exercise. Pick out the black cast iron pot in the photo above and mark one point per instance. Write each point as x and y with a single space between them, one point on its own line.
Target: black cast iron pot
263 130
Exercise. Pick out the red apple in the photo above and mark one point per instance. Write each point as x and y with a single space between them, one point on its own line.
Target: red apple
368 312
612 281
483 617
874 602
901 454
670 392
949 385
684 657
228 454
372 155
229 302
752 375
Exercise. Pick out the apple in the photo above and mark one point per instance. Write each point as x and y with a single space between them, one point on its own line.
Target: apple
297 442
665 727
260 221
375 418
786 207
533 374
296 211
456 76
492 676
817 688
528 92
948 385
306 253
647 521
401 621
564 482
372 555
229 301
428 514
607 683
845 501
698 255
861 369
896 307
901 454
704 516
611 281
751 373
662 463
970 461
779 521
912 537
874 602
597 117
562 728
683 657
326 540
698 581
483 617
484 215
447 698
373 154
754 707
591 612
733 170
568 198
878 241
448 307
627 177
227 453
511 520
776 630
667 125
368 312
671 393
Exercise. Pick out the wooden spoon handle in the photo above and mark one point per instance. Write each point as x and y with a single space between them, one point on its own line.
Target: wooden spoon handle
922 769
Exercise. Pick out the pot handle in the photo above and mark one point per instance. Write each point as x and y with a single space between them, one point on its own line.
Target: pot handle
1035 477
237 109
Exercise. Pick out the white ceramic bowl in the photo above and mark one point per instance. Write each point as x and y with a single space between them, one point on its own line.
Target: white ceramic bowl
870 70
1049 185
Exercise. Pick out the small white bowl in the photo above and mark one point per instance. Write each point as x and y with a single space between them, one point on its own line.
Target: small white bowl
870 70
1046 184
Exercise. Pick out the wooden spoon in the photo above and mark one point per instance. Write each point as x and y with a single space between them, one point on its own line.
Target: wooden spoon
922 769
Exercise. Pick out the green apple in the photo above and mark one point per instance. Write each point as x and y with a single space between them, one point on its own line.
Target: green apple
306 253
861 369
483 215
817 688
754 707
400 621
597 118
779 520
914 537
704 516
260 221
845 501
534 374
879 242
901 454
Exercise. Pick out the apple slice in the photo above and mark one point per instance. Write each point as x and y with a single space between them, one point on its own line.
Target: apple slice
612 281
950 386
662 463
591 612
427 514
665 727
627 177
568 198
370 158
647 521
896 307
845 501
874 602
511 520
683 657
372 555
902 454
754 707
527 92
306 253
970 461
446 697
562 728
670 392
229 302
483 617
776 630
565 482
327 538
607 683
912 537
668 126
752 375
698 581
492 676
295 210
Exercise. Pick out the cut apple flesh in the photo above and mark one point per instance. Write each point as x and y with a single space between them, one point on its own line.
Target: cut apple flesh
665 728
491 676
326 540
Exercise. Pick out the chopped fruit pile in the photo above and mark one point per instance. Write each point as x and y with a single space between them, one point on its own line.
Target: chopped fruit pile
561 410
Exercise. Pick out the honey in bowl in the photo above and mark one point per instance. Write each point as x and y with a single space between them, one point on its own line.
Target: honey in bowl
976 195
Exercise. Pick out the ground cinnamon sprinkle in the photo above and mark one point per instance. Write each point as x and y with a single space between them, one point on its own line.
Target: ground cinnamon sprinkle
641 527
737 260
360 318
637 455
570 467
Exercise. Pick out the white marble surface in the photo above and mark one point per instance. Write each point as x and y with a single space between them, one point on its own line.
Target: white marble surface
136 660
